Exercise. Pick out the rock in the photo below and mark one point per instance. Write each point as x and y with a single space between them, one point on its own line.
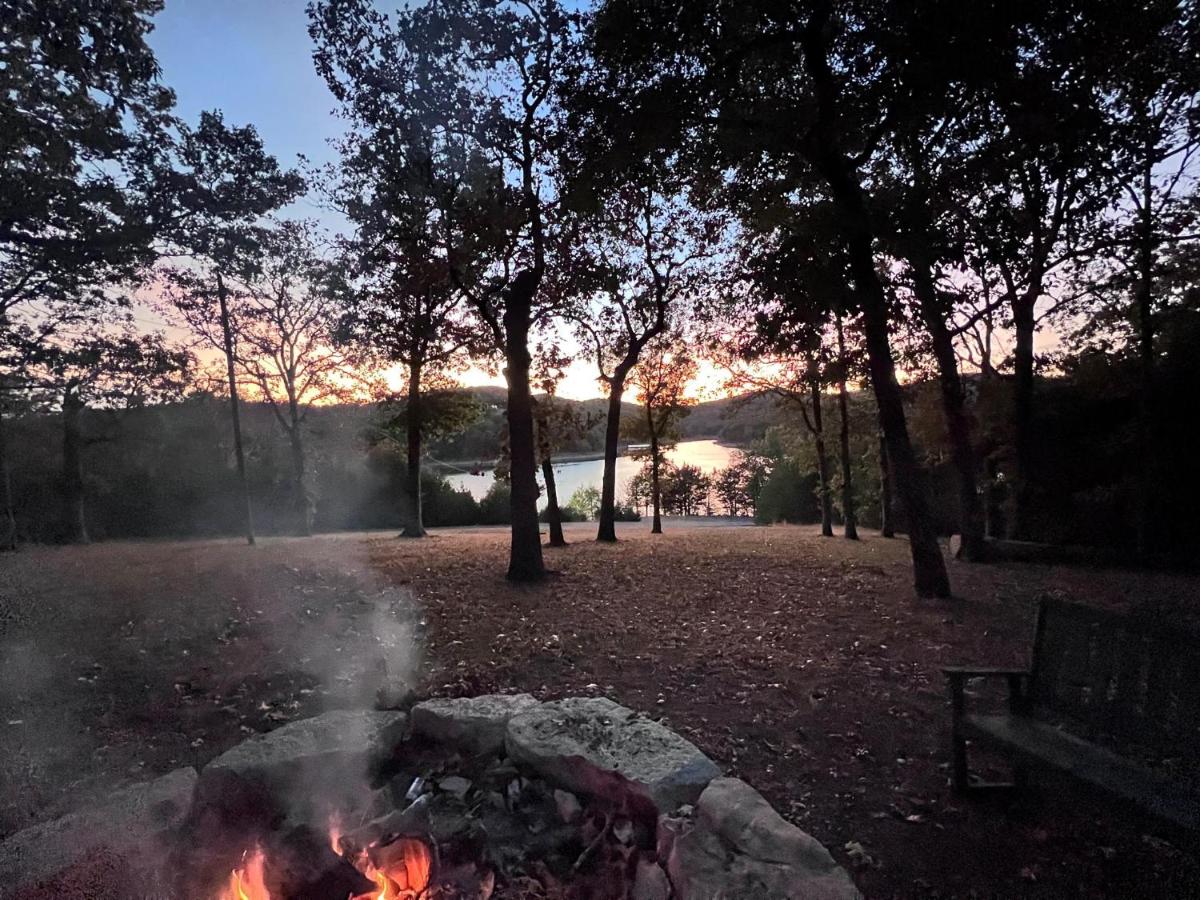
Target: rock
569 807
595 746
471 724
455 786
134 823
322 761
344 732
650 882
738 846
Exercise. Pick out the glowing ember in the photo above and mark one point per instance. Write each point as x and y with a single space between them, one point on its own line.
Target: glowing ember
246 881
403 870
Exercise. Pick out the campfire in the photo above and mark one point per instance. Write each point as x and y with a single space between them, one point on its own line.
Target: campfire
444 825
497 797
400 870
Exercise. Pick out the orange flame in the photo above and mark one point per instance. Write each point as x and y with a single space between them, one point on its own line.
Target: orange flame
404 873
246 882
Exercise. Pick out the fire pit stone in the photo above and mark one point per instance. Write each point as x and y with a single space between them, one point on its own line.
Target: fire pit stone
127 822
734 844
340 736
484 815
595 746
472 724
330 755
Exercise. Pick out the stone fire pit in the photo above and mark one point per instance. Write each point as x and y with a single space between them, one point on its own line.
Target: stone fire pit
537 777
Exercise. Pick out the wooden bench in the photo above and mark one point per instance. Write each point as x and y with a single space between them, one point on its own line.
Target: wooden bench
1096 680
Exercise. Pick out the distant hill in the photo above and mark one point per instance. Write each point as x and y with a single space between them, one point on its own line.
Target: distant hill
737 420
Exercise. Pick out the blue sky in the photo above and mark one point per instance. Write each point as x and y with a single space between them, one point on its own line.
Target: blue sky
251 59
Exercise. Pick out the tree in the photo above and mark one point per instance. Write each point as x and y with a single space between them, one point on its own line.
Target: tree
849 517
661 380
484 76
887 524
283 328
730 490
1153 98
400 302
223 182
444 411
646 248
116 372
777 340
585 502
1041 179
781 97
82 102
686 492
555 422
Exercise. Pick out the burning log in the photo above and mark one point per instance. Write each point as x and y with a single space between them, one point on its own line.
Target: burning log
408 862
413 819
303 866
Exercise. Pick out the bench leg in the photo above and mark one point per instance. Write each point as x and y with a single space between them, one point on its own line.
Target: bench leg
960 774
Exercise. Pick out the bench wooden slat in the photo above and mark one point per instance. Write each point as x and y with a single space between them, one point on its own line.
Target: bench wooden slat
1089 762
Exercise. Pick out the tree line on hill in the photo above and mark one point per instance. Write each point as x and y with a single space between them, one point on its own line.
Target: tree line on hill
815 196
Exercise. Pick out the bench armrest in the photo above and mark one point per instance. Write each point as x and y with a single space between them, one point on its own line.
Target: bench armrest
957 675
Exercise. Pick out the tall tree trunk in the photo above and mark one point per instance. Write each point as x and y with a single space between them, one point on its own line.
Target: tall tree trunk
887 515
525 554
607 530
822 460
234 411
655 483
849 512
824 150
1020 512
1144 302
929 569
414 525
74 524
8 519
300 498
553 513
954 407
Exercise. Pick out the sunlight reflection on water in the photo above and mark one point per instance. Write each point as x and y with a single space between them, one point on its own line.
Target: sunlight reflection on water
570 476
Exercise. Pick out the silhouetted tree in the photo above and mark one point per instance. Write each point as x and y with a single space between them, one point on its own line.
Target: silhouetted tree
484 75
111 373
82 105
849 515
223 182
661 380
776 94
555 422
400 302
286 315
646 250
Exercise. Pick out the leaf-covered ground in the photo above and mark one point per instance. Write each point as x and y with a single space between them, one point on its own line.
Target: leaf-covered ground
801 664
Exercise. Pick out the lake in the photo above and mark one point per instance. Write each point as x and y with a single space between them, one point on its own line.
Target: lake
708 456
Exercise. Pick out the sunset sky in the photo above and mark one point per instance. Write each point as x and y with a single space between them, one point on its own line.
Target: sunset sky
252 59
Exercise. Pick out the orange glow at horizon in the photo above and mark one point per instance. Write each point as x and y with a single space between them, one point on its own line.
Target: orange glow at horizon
581 383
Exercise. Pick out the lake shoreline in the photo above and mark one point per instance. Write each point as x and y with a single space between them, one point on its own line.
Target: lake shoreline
486 465
576 471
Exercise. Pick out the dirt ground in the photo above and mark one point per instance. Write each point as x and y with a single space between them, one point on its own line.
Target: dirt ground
801 664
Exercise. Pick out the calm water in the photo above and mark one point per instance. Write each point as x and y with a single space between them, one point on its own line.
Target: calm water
569 477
